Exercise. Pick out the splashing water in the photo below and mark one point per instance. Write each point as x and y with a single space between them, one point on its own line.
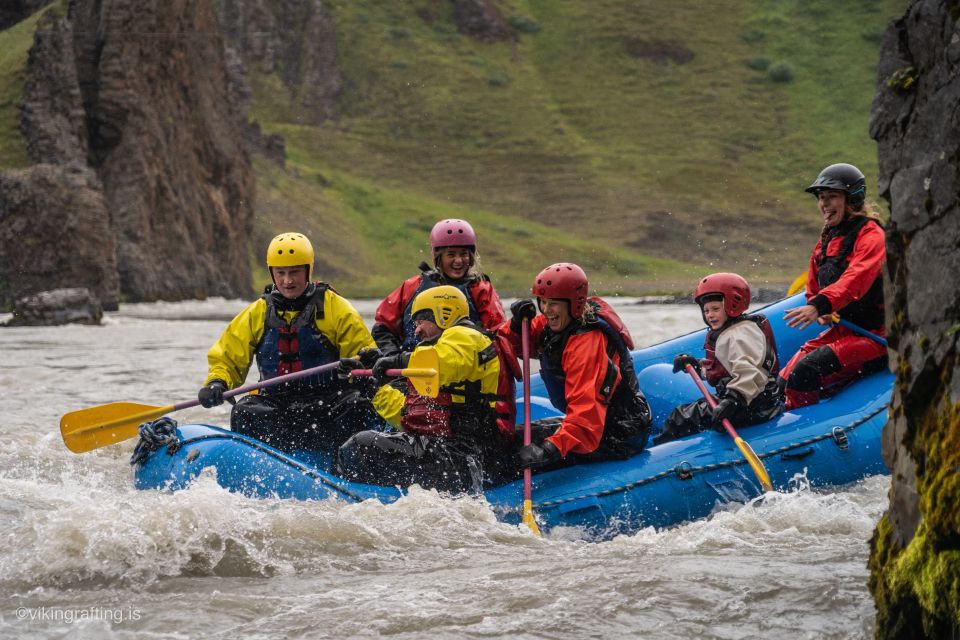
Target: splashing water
80 543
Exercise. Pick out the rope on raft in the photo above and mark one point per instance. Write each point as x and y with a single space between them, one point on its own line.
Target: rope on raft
153 435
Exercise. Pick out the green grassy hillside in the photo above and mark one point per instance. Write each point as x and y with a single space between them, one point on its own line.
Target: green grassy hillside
651 142
15 42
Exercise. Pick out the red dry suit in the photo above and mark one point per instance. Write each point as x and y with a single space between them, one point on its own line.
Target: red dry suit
393 324
588 371
845 277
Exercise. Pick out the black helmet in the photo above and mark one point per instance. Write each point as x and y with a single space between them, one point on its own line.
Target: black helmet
842 177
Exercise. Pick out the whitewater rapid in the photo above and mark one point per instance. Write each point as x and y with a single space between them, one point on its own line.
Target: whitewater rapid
83 554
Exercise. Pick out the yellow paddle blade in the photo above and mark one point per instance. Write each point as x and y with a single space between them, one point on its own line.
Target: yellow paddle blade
529 520
755 463
798 285
89 429
423 371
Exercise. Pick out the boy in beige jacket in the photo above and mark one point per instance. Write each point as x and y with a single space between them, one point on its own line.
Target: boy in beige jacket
741 362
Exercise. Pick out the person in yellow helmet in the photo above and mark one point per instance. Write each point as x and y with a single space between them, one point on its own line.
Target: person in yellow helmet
451 442
295 325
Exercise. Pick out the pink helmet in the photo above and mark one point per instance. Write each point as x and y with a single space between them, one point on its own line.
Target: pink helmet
563 281
733 288
453 233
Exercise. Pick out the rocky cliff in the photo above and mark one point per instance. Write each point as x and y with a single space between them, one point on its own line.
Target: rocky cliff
129 99
292 39
915 551
13 11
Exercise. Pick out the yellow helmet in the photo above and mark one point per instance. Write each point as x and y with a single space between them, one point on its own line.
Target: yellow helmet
290 250
447 304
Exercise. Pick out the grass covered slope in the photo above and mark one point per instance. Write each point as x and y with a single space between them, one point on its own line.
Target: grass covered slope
15 43
649 142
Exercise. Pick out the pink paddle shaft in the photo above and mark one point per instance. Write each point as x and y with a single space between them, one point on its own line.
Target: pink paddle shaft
525 343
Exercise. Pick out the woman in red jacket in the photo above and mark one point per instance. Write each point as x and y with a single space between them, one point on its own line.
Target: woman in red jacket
587 368
455 262
845 278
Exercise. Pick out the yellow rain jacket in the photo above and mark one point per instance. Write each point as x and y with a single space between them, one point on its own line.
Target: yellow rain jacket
230 358
468 362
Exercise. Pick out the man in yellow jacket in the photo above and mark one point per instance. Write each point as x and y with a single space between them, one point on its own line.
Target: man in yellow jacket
295 325
451 442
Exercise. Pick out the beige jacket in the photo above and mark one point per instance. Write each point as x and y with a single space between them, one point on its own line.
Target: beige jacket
740 349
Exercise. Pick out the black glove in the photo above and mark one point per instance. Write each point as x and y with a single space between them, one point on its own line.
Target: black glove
521 309
725 409
537 455
212 394
369 356
346 367
396 361
681 361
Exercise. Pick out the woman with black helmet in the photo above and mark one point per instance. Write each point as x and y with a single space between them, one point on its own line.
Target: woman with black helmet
844 278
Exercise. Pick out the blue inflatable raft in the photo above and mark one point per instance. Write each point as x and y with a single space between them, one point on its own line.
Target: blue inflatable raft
833 443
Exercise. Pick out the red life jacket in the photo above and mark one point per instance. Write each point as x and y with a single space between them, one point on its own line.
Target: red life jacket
510 373
606 313
427 416
715 372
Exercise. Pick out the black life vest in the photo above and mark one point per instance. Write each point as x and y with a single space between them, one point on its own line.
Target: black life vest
619 341
868 310
713 369
297 345
430 278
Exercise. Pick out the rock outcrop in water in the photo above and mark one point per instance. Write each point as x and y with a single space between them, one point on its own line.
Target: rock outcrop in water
130 98
915 551
54 230
60 306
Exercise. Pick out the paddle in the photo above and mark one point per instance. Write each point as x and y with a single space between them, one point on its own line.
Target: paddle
798 285
528 518
859 330
88 429
423 370
758 469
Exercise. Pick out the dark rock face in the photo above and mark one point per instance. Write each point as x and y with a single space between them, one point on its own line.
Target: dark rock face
137 92
164 139
482 20
51 111
915 558
13 11
295 38
60 306
54 231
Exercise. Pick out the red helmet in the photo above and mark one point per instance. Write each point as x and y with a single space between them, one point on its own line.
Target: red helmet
732 288
453 233
564 281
